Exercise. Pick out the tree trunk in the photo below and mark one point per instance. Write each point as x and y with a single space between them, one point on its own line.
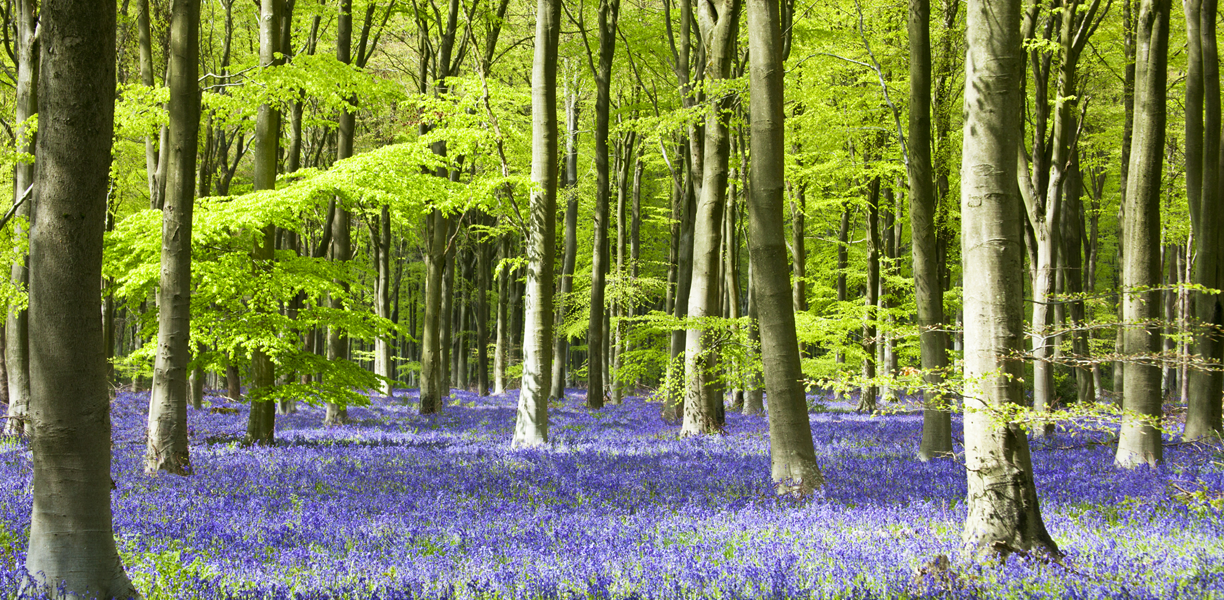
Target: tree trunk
16 331
501 354
341 224
431 353
1003 513
166 448
72 544
262 425
686 208
867 397
1139 441
482 318
703 402
609 11
928 293
792 456
1203 417
798 207
560 350
531 422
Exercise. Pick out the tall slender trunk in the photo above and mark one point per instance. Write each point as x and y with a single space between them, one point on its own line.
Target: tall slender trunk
341 224
798 207
686 206
609 11
1139 441
262 424
166 448
867 398
928 293
431 353
531 422
72 540
501 355
482 317
560 350
703 403
1003 512
17 331
792 457
1203 417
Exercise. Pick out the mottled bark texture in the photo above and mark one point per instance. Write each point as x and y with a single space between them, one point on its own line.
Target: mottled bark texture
1003 513
1139 440
166 448
792 456
531 422
72 541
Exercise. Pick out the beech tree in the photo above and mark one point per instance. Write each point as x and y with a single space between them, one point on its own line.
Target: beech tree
531 421
1004 516
167 438
72 541
1139 441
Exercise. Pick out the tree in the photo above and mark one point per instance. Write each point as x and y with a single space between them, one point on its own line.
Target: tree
718 21
167 438
792 456
1003 514
928 293
262 425
1202 193
17 327
71 533
531 422
1139 441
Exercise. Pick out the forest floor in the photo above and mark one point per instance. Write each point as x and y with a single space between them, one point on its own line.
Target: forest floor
396 505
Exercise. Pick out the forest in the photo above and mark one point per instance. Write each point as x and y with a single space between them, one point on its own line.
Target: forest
487 299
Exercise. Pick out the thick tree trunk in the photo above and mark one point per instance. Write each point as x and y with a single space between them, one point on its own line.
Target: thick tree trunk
1139 441
1004 515
531 422
703 401
793 464
72 544
166 448
262 425
928 293
16 330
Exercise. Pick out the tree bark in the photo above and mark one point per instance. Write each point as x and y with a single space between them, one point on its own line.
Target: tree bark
166 448
341 223
560 350
928 293
867 397
501 354
1139 441
792 456
531 422
261 427
1203 417
703 403
72 544
17 331
1004 515
609 11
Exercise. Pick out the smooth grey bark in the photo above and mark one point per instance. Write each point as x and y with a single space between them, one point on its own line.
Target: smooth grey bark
1203 417
166 441
609 11
261 426
501 353
152 156
16 330
341 223
197 388
684 202
718 22
561 344
72 541
1072 236
798 207
431 354
531 421
754 399
792 456
1003 512
1139 440
928 293
867 397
